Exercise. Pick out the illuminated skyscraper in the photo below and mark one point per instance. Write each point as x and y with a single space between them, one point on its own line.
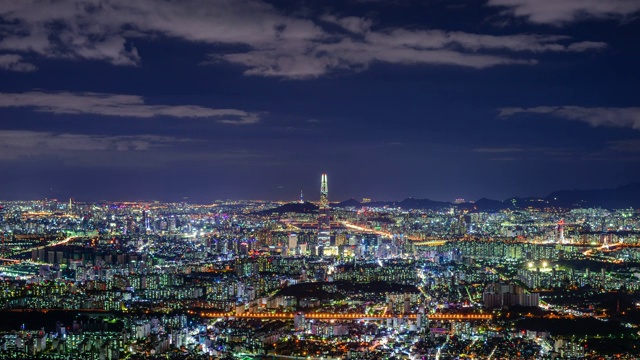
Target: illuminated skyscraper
172 223
324 192
324 218
147 220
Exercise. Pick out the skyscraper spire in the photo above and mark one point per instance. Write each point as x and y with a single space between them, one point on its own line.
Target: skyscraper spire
324 218
324 192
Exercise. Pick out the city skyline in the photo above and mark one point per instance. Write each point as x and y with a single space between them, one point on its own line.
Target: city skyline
236 280
610 200
320 180
253 99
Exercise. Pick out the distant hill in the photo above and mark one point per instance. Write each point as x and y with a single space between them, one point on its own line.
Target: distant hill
294 207
411 203
627 196
347 203
620 197
485 204
382 204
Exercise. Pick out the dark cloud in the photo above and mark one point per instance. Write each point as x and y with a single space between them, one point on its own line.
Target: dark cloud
313 58
626 145
13 62
116 151
16 144
594 116
277 44
558 12
118 105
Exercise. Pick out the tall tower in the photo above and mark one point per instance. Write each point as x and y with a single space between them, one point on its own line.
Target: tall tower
146 219
324 192
324 218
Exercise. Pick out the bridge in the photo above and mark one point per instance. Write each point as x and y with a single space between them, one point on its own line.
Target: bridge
429 243
52 244
46 310
329 316
416 241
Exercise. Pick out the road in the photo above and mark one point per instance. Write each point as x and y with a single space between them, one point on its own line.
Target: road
61 242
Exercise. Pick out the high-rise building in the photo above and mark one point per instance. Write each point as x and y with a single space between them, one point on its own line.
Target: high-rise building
147 220
298 322
172 223
293 243
324 218
324 192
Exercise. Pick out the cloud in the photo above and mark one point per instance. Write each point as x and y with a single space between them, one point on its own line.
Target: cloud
117 151
594 116
13 62
264 41
439 39
398 46
628 145
244 120
353 24
118 105
557 12
106 30
18 143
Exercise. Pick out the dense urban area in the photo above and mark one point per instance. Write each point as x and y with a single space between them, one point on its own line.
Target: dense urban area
320 180
350 280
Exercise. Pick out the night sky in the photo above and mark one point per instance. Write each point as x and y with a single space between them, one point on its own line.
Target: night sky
240 99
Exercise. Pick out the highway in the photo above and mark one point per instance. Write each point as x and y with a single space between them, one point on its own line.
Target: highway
61 242
416 241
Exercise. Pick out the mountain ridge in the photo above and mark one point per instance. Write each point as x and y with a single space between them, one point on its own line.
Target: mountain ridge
624 196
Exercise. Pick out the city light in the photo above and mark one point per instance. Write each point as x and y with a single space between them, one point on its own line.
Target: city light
320 180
